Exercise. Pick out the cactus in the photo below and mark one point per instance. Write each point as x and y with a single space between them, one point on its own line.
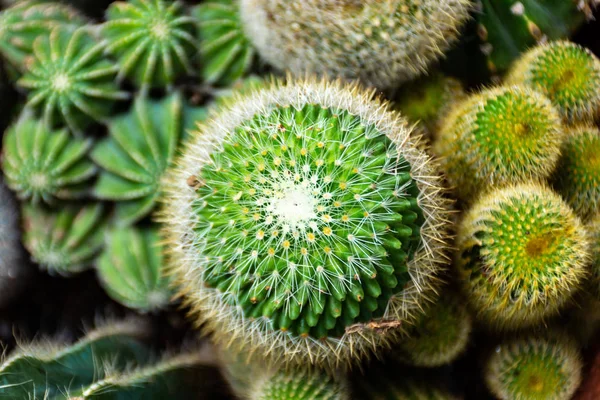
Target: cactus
594 230
568 74
522 253
298 385
533 368
26 20
297 214
381 43
227 54
66 241
69 79
153 40
501 136
130 269
440 336
44 164
577 177
141 146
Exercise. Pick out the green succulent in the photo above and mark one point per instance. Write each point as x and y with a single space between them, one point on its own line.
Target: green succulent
298 385
45 164
131 269
227 54
153 41
141 145
69 80
64 241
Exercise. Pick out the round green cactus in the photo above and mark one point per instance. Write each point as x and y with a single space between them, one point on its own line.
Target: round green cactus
65 241
533 368
298 385
381 43
501 136
153 40
302 221
440 336
131 269
577 177
522 254
70 80
43 164
227 54
568 74
141 145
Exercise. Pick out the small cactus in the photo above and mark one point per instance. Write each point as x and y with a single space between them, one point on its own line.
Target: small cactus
44 164
153 40
141 145
501 136
131 269
568 74
298 385
382 43
577 177
69 80
301 212
532 368
66 241
522 254
227 54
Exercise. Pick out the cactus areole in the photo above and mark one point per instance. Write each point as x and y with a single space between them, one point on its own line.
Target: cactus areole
302 212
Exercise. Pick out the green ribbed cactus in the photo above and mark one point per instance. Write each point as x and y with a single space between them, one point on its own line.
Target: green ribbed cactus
522 254
577 177
568 74
45 164
500 136
69 80
382 43
300 219
64 241
298 385
227 54
131 269
533 368
141 145
153 40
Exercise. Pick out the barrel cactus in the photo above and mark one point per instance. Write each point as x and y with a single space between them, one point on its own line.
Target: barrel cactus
522 254
305 223
298 385
382 43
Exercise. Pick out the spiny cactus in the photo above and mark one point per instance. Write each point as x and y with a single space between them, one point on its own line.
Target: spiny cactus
533 368
594 230
298 385
69 80
439 336
23 22
500 136
305 223
577 177
153 40
141 145
565 72
383 43
227 54
131 269
43 164
64 241
522 253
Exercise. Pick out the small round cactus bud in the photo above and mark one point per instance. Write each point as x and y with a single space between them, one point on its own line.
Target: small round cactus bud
44 164
66 241
131 269
577 177
522 254
568 74
153 40
70 80
534 369
298 384
302 220
382 43
440 335
227 54
501 136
